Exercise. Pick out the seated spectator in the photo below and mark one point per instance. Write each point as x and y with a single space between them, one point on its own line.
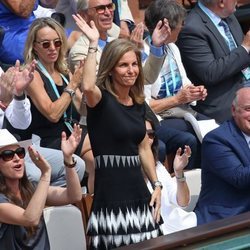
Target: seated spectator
226 165
175 194
103 18
215 52
21 202
15 18
169 140
17 112
55 96
172 93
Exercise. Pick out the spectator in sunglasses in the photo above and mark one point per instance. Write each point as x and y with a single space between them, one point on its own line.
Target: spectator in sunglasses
21 202
175 194
54 93
17 113
101 12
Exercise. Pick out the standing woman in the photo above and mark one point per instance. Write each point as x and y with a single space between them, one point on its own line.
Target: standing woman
123 211
21 203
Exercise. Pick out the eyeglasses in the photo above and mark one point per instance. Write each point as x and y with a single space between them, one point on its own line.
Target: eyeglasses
46 44
100 9
151 133
8 155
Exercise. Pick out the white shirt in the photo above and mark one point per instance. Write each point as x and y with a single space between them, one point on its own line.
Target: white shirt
174 217
18 113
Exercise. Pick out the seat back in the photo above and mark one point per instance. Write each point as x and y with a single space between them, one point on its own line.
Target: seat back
193 178
65 228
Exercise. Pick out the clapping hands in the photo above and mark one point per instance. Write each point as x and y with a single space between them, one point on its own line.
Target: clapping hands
22 78
69 145
14 82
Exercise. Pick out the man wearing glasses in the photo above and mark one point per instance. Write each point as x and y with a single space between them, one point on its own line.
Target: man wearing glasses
101 12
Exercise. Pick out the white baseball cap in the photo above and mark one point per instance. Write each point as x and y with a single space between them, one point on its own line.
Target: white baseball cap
6 138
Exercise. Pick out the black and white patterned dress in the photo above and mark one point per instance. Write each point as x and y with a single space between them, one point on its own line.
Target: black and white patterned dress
121 214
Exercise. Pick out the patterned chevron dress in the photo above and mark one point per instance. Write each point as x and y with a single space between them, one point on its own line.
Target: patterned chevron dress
121 214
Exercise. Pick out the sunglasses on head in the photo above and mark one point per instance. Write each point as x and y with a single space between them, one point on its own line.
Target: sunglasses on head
8 155
100 9
46 44
151 133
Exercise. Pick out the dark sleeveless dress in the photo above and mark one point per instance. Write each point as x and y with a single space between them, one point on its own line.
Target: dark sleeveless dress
50 132
121 214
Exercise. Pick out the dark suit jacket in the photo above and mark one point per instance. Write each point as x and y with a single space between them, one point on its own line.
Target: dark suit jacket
208 60
225 187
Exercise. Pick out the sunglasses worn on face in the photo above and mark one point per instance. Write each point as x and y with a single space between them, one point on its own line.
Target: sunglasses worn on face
8 155
151 133
100 9
46 44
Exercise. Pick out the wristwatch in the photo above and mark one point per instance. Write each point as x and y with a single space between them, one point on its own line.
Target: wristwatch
71 92
157 184
66 164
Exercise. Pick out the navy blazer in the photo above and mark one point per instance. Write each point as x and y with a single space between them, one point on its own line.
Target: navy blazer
225 187
208 61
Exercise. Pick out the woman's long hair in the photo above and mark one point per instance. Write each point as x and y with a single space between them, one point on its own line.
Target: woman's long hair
29 52
26 189
111 55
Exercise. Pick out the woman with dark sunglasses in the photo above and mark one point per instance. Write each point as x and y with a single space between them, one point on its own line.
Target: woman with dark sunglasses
56 100
175 193
21 202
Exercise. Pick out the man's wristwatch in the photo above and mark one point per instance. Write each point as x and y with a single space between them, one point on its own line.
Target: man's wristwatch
157 184
71 92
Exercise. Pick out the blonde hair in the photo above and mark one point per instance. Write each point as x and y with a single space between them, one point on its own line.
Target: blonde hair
29 52
111 55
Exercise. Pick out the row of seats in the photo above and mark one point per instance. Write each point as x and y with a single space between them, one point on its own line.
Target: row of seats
66 225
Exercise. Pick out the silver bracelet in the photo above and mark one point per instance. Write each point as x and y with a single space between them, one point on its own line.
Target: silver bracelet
182 178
